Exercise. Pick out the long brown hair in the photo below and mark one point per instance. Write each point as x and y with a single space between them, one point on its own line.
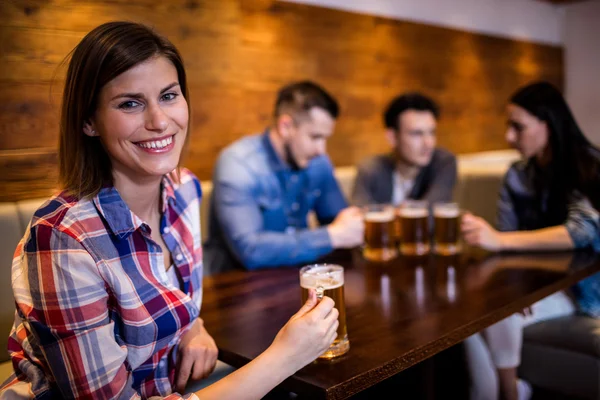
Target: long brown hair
574 165
103 54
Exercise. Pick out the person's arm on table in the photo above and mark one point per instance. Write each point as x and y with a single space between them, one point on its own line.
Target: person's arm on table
302 339
241 219
580 230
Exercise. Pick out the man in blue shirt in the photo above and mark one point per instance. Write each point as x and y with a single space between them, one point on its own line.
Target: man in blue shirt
266 184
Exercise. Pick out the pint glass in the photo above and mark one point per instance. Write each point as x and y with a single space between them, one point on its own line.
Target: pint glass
380 241
414 225
446 232
328 280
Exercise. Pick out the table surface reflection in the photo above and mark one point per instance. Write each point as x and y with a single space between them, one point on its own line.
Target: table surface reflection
399 313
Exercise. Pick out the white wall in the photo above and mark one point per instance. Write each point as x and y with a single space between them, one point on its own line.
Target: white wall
582 65
530 20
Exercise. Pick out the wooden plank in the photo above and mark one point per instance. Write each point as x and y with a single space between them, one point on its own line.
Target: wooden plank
27 174
29 114
239 53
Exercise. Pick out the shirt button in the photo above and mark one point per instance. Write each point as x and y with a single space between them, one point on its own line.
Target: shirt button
294 178
317 192
179 257
295 206
166 230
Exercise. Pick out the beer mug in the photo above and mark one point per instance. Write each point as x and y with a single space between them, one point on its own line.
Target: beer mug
414 225
380 243
446 238
328 280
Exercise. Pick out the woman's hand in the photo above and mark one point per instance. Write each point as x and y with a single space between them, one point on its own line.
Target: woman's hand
477 232
308 333
197 355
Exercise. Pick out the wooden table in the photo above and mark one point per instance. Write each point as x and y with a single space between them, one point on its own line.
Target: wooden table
399 313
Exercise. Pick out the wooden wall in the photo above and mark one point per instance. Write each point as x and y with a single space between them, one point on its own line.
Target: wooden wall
239 52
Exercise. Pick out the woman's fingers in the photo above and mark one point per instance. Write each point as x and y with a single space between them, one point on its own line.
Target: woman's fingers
183 373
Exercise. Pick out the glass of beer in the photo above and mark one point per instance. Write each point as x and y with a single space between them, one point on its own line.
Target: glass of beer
446 228
380 243
414 225
328 280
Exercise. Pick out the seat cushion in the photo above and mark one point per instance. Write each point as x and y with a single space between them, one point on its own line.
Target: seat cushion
574 333
6 370
571 374
10 227
26 209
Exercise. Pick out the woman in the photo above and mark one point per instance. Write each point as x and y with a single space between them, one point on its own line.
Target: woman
108 278
548 201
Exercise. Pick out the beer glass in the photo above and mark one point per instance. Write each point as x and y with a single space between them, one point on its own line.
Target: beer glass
414 225
380 243
446 236
397 227
328 280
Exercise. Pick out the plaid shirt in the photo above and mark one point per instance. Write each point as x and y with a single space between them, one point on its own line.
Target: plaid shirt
97 316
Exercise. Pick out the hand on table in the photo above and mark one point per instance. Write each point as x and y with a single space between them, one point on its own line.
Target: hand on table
477 232
348 229
197 355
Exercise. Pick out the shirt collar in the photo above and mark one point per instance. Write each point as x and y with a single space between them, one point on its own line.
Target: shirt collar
276 163
168 190
117 214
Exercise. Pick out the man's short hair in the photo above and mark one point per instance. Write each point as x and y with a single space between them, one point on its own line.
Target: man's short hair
408 101
298 98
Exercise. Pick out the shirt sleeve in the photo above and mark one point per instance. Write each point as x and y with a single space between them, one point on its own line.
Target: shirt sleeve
506 216
583 223
441 187
62 300
239 215
362 193
331 201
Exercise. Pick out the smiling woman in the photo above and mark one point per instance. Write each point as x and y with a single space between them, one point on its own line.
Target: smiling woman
108 277
134 92
141 119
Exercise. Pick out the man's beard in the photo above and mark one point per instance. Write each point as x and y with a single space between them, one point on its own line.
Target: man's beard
289 158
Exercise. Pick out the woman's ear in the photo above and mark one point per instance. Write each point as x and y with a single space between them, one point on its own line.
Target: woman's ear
88 129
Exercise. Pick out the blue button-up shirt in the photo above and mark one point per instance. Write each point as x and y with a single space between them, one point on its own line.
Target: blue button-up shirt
260 205
519 209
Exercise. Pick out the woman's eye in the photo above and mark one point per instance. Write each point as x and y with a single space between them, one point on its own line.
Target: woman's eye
169 96
127 105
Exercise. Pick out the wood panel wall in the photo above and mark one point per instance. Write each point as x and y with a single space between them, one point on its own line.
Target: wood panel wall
239 52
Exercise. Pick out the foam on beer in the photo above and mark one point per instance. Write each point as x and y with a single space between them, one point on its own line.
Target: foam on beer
379 216
446 212
412 212
309 280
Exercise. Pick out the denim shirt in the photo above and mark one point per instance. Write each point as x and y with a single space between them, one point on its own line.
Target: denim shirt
518 209
259 208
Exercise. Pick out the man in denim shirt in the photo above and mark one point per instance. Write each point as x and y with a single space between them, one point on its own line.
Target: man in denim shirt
266 184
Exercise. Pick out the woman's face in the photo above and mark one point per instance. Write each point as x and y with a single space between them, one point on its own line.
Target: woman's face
142 120
526 133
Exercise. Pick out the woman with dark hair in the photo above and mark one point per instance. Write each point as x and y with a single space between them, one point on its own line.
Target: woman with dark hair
108 277
549 201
